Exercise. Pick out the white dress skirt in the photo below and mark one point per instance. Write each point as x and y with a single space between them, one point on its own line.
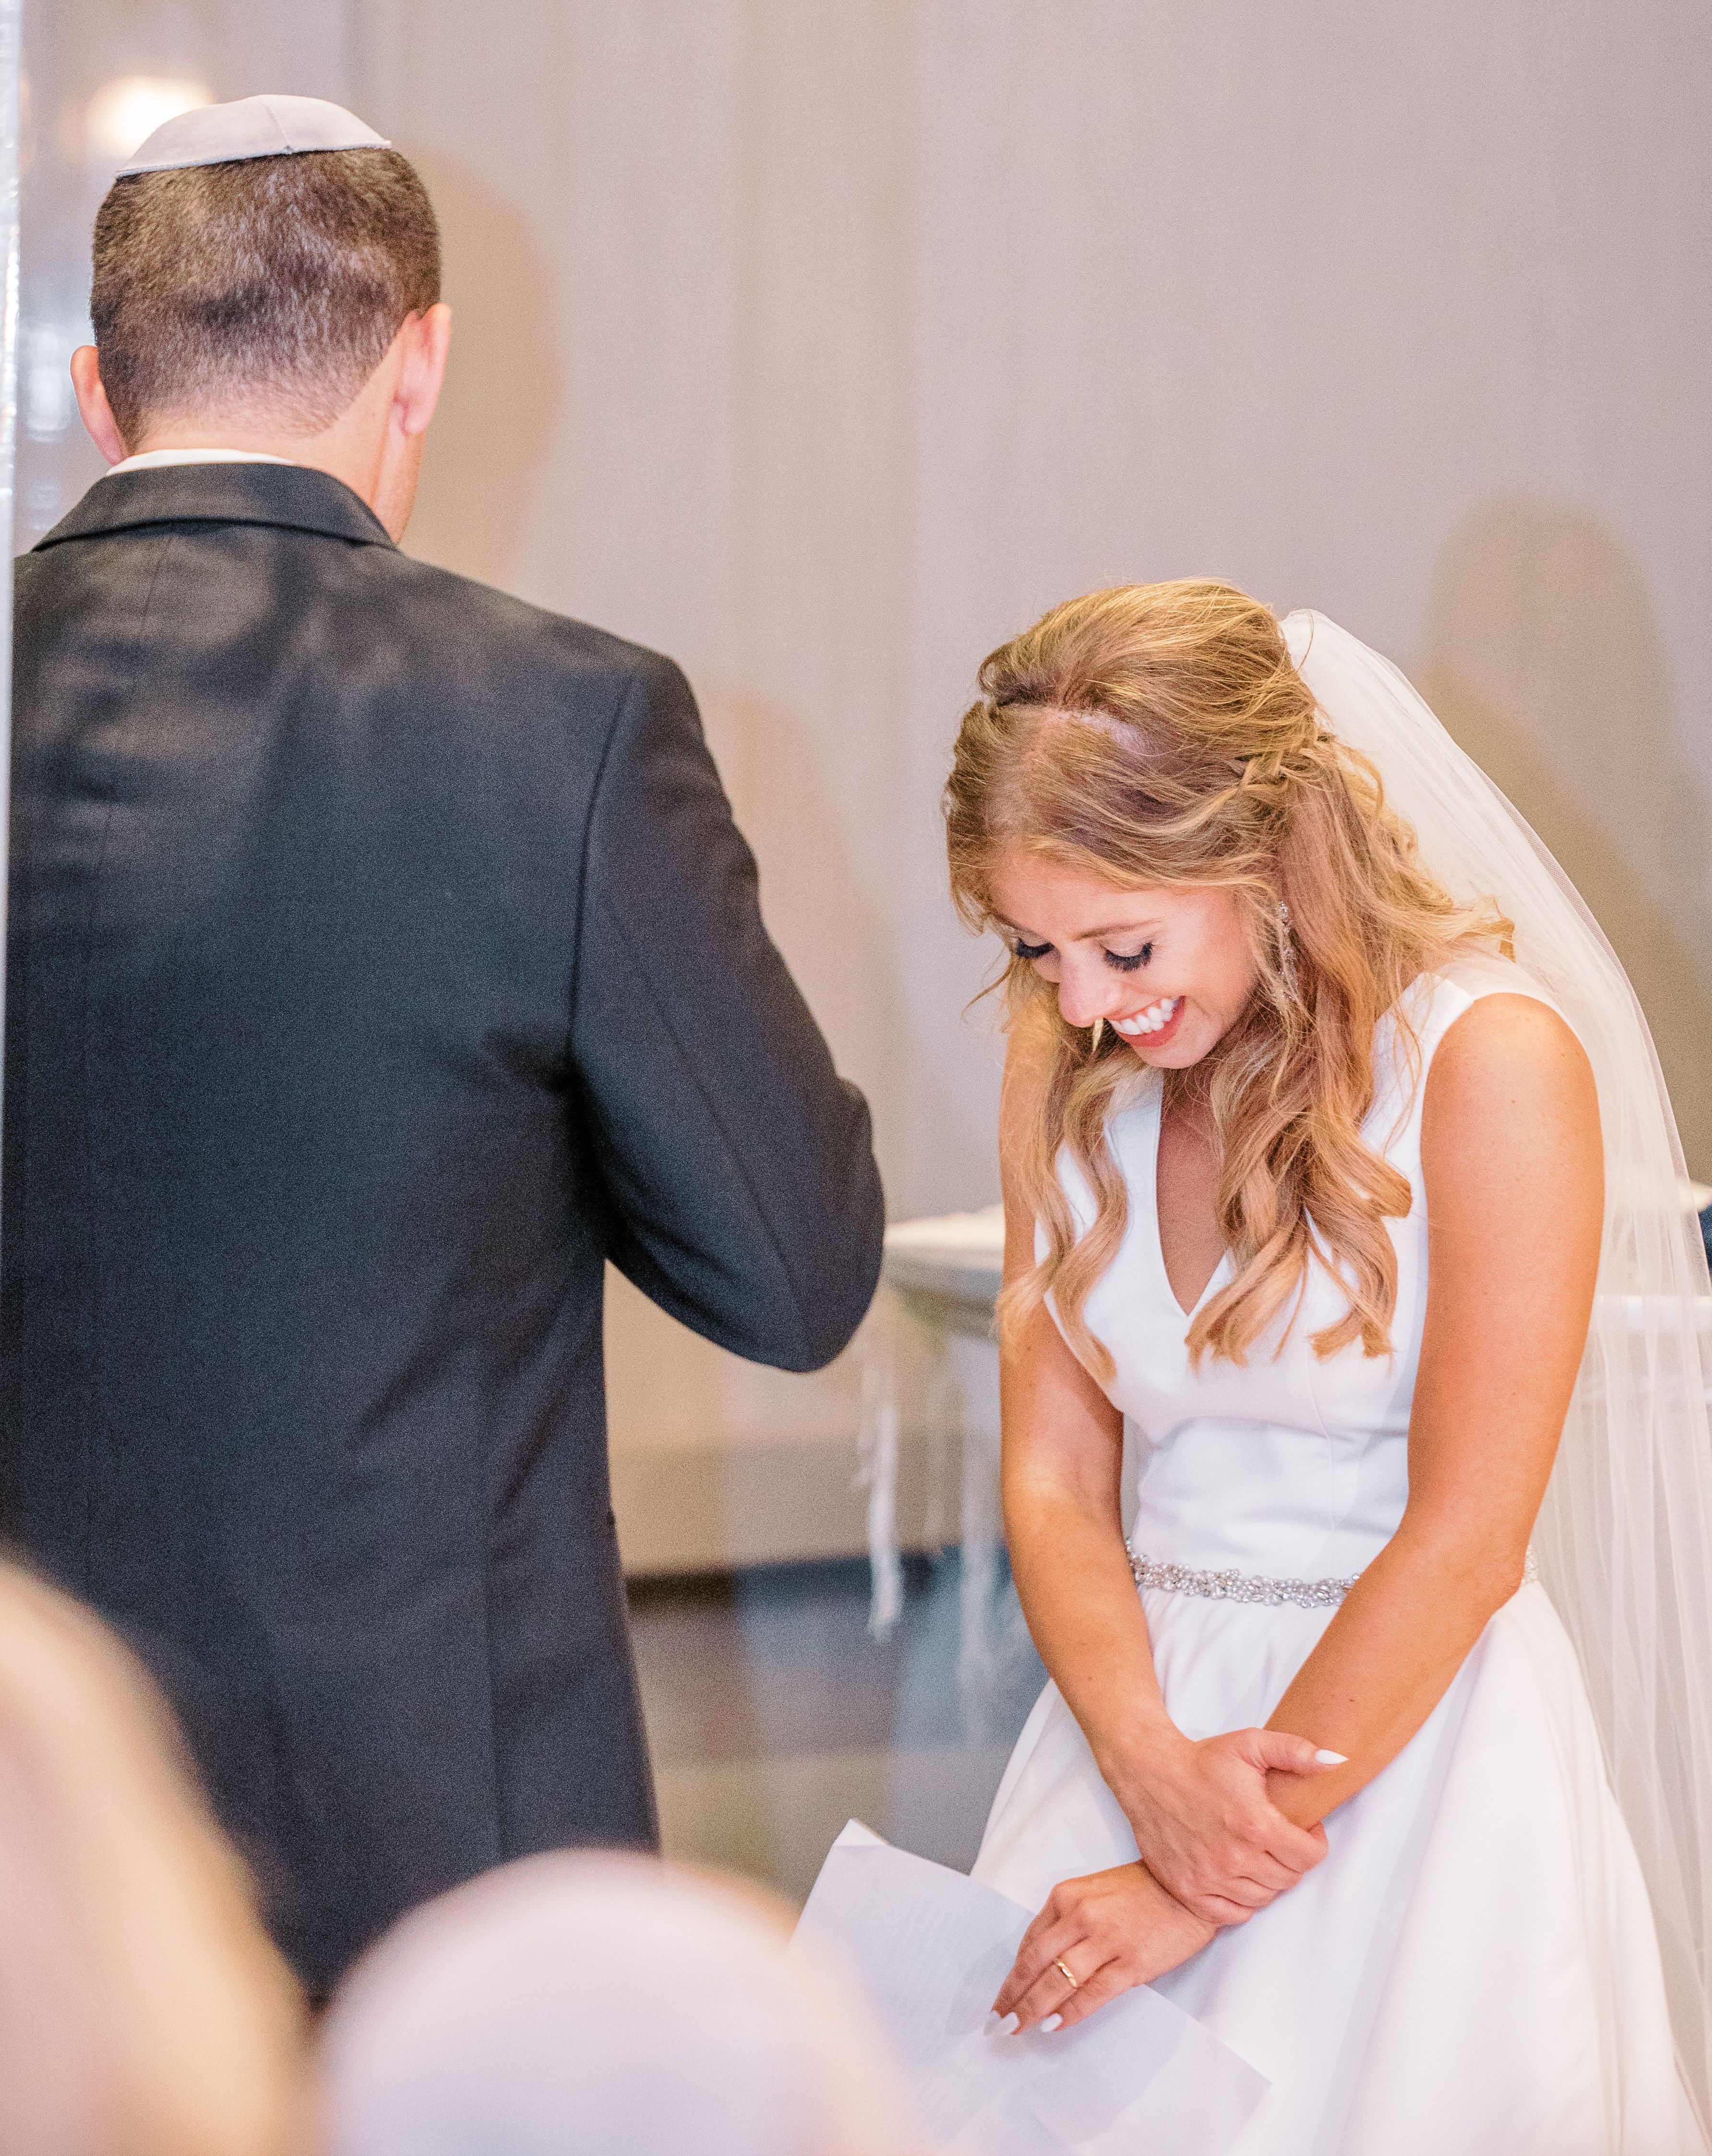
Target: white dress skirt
1472 1970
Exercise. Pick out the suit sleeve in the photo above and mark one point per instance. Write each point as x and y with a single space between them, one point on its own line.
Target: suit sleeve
739 1167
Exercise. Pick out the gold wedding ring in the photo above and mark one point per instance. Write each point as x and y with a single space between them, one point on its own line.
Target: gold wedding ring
1068 1978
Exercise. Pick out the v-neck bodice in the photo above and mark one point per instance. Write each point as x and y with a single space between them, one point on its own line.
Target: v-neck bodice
1155 1091
1287 1466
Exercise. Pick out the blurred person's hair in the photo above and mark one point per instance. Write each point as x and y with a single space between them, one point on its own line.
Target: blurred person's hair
143 2011
269 285
605 2006
1159 736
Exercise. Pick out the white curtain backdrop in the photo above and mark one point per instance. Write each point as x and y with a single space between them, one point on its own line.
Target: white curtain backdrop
826 346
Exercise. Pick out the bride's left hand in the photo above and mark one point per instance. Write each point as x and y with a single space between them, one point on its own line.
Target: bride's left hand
1112 1930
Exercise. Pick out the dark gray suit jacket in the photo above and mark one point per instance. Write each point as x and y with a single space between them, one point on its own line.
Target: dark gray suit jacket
383 958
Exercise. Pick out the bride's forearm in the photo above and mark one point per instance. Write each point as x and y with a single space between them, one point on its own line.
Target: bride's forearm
1074 1580
1386 1660
1062 1455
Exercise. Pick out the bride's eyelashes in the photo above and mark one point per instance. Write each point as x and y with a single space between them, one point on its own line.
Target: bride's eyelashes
1127 961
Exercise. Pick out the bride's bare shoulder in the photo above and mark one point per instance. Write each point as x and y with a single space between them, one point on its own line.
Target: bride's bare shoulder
1511 1101
1508 1035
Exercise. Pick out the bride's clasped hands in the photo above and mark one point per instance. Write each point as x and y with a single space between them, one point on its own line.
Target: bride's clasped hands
1205 1823
1123 1928
1215 1849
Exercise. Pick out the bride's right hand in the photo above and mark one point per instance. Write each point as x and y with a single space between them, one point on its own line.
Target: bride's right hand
1206 1829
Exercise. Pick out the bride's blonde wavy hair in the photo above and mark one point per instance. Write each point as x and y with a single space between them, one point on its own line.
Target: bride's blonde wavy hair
1158 736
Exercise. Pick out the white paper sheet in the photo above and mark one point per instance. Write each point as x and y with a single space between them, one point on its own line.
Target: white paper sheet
930 1948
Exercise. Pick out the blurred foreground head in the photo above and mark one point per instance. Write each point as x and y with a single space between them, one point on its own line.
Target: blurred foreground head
607 2005
142 2010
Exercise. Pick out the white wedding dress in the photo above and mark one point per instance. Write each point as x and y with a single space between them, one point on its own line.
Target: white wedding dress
1472 1970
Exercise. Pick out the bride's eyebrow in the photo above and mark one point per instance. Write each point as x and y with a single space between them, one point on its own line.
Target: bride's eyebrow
1088 935
1118 928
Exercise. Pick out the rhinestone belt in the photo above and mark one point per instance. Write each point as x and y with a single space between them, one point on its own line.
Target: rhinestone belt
1238 1586
1251 1587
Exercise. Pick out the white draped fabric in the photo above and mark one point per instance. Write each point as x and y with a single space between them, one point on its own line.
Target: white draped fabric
1625 1542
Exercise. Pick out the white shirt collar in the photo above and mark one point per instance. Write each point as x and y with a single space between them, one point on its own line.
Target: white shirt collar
157 459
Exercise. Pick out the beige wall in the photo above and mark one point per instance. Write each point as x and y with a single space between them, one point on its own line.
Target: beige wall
825 345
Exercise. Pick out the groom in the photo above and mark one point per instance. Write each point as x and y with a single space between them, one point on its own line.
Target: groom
383 961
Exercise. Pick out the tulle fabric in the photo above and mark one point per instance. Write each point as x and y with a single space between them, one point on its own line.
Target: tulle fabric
1625 1537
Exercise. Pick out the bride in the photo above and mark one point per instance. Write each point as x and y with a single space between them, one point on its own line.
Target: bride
1340 1165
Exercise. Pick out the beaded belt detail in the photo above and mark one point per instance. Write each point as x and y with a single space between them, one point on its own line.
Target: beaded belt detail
1238 1586
1251 1587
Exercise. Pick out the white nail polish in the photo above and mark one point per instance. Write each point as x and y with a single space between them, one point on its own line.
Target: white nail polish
1333 1759
993 2023
1007 2027
1052 2021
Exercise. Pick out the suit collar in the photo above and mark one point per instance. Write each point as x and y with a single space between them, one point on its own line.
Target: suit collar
291 496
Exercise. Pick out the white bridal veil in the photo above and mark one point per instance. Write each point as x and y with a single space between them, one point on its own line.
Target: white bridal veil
1625 1538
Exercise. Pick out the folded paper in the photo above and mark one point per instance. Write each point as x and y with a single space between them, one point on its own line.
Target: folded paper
931 1948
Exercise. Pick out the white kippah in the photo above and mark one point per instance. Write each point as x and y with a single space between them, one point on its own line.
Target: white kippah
251 127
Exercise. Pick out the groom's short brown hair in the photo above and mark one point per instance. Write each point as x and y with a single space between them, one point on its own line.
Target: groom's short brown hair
274 285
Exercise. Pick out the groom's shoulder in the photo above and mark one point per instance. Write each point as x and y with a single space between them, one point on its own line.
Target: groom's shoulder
470 637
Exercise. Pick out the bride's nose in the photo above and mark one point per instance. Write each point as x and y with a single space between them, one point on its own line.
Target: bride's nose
1087 991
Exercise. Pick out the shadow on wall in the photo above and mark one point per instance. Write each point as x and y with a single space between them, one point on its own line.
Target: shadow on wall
1542 658
504 387
818 905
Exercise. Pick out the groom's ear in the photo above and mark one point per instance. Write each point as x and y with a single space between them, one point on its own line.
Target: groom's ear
92 403
427 343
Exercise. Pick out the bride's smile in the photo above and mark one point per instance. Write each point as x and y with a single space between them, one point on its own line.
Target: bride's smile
1169 969
1156 1023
